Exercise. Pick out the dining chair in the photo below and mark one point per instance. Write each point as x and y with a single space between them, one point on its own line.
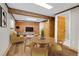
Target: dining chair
56 49
37 51
29 44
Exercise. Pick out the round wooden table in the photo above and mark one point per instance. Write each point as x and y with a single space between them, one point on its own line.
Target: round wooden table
41 41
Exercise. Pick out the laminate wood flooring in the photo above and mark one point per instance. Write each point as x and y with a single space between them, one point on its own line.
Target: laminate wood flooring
18 50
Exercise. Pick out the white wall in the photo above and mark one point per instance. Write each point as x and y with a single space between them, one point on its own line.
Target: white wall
5 32
12 24
74 28
72 25
67 32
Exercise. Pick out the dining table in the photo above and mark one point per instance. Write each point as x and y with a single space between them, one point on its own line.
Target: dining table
42 42
38 41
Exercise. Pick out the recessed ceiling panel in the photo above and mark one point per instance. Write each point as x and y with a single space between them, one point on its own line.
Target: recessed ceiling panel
28 18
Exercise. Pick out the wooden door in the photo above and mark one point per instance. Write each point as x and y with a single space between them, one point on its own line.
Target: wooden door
61 28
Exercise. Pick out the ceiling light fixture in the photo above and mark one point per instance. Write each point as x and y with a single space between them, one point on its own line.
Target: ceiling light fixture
31 19
47 6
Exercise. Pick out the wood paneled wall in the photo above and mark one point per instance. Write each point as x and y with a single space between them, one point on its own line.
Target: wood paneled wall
61 28
24 24
49 27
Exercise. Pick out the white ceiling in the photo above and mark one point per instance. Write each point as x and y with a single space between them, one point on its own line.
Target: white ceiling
57 7
28 18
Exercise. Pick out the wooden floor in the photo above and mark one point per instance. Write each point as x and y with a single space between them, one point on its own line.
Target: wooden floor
66 52
17 50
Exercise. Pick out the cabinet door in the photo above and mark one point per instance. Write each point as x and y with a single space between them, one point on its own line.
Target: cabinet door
61 28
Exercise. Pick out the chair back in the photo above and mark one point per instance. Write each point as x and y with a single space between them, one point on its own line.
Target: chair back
36 51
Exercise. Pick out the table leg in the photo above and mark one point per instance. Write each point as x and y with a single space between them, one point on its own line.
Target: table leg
24 44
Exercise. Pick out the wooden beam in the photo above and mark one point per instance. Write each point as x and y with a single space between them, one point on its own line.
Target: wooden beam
26 13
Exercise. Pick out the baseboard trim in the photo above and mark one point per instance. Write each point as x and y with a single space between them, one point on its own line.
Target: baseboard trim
6 51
